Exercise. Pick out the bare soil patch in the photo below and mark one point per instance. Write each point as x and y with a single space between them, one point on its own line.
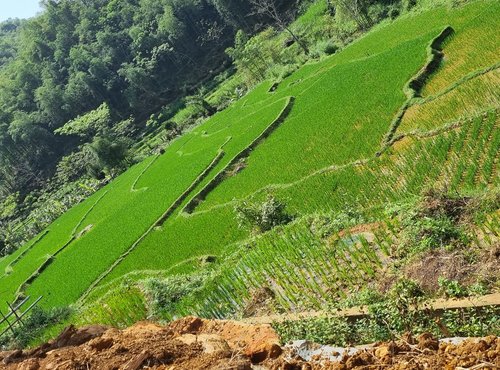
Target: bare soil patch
193 343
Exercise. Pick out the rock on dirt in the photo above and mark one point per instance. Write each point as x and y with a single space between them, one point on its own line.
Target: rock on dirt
193 343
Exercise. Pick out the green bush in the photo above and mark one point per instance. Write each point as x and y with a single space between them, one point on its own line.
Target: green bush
164 294
33 326
324 47
264 216
430 223
452 288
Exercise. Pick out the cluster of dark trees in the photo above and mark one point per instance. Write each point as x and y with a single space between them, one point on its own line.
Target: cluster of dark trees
134 55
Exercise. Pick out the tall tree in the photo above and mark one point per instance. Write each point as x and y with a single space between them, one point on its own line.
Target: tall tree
281 18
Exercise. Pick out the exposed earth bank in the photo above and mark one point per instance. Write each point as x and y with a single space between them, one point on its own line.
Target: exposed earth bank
193 343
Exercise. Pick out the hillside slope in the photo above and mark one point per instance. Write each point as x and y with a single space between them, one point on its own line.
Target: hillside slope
361 129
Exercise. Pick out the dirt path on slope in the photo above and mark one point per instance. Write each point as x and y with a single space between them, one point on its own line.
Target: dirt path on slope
361 311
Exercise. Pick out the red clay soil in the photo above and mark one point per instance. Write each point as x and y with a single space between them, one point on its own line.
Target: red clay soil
193 344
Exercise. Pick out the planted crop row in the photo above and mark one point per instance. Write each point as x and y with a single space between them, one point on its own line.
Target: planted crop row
302 270
326 126
308 142
343 108
466 100
423 163
474 46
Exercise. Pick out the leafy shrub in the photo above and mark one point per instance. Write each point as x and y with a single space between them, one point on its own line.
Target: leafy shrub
326 225
324 47
8 206
432 222
264 216
385 323
409 4
430 233
478 288
107 155
86 126
452 288
72 167
279 72
33 326
125 128
324 330
366 296
164 294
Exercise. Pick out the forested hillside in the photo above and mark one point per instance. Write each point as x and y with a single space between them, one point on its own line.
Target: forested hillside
134 56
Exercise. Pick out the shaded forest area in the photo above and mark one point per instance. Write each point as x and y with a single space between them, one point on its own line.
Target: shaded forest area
134 56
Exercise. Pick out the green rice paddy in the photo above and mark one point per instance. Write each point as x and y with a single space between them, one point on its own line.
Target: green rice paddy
320 158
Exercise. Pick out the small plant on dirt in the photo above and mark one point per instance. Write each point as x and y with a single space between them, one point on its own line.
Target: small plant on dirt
366 296
165 294
327 225
479 288
264 216
399 312
325 330
452 288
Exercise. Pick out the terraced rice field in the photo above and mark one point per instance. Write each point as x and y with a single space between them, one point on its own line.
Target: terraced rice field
317 142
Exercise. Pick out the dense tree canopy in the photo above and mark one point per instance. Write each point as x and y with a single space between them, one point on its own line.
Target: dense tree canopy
132 55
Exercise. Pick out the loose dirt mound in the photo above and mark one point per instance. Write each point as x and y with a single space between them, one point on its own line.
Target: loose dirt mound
189 343
193 343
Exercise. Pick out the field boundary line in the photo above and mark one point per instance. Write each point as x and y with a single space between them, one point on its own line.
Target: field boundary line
138 178
419 134
362 311
193 185
414 86
411 89
159 221
22 288
469 77
23 253
331 168
144 274
416 134
220 177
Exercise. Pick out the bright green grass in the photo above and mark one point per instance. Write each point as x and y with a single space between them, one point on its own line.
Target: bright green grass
475 46
7 261
465 100
59 233
304 271
424 162
398 174
343 108
125 215
327 126
323 130
318 132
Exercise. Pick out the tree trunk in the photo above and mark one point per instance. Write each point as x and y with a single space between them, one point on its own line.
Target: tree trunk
297 40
